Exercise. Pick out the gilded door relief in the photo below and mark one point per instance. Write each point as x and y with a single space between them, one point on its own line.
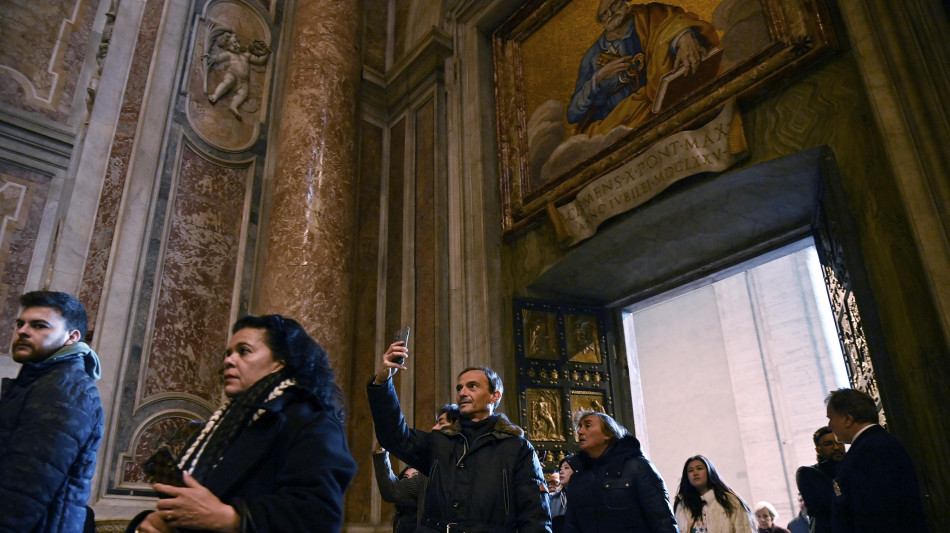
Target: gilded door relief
582 339
540 335
583 401
544 415
562 369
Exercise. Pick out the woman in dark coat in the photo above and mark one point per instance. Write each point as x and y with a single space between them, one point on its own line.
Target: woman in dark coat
614 488
274 457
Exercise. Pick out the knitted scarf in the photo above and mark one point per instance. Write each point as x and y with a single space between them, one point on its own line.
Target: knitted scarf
224 426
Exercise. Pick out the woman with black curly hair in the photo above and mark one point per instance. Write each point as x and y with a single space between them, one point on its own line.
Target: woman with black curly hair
705 504
273 457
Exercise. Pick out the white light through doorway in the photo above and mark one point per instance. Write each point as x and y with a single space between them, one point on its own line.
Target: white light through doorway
737 369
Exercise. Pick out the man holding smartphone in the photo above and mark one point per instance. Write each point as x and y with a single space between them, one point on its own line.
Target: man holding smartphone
483 474
50 418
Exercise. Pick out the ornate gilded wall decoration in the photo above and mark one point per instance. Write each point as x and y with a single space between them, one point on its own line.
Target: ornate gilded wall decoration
844 307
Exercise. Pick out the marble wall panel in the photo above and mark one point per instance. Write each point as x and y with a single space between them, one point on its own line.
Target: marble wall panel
401 17
427 272
23 196
119 159
375 23
171 431
197 279
394 225
43 45
366 294
413 21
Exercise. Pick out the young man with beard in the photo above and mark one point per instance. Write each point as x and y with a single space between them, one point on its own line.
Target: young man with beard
50 419
483 474
815 481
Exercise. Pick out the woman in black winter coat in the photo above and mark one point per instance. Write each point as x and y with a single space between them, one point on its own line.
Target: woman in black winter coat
274 457
615 488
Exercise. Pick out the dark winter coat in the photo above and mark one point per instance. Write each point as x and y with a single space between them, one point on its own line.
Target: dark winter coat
287 471
815 483
404 493
50 429
876 489
619 491
489 485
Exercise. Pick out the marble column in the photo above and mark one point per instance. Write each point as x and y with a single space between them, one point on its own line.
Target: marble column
310 217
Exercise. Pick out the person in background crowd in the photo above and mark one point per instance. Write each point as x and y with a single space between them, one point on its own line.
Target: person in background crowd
555 501
815 482
565 471
615 488
407 492
876 489
765 517
50 419
705 504
801 523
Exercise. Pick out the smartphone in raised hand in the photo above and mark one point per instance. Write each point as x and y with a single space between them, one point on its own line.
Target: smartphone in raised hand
401 335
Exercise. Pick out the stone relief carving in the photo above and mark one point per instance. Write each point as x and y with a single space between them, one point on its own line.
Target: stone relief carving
227 90
101 55
227 52
11 202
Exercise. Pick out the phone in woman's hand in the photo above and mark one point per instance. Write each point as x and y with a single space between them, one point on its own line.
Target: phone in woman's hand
162 467
401 335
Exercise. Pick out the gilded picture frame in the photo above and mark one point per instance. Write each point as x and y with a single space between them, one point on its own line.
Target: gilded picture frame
583 86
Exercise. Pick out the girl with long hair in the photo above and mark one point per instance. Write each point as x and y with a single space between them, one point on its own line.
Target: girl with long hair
705 504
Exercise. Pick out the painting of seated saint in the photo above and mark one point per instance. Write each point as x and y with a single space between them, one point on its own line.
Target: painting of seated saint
600 69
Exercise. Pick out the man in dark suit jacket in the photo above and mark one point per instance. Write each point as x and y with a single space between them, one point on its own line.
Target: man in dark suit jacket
876 489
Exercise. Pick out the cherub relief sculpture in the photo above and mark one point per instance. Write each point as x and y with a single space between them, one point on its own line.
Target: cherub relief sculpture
226 51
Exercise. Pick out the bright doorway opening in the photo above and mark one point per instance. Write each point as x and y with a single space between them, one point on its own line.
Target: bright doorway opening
736 368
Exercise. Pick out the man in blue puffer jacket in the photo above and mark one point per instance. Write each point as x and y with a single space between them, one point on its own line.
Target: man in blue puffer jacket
50 419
